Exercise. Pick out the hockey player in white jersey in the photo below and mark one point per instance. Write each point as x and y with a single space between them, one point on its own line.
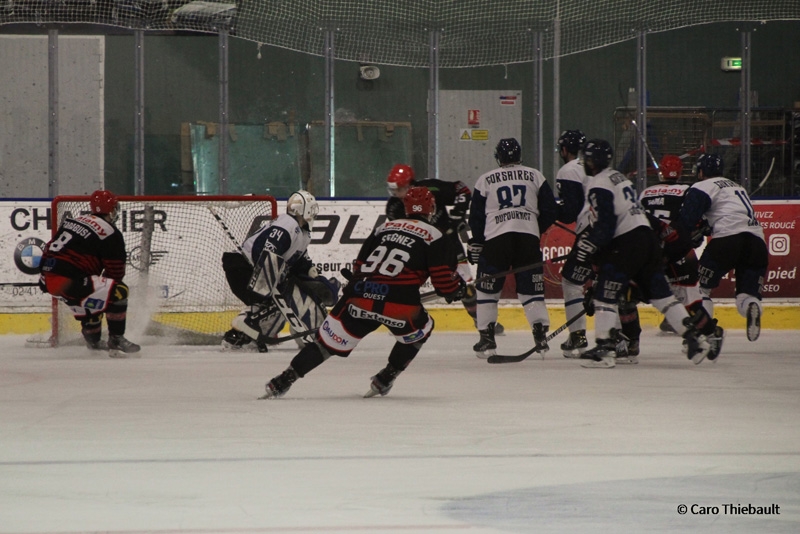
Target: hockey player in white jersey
572 185
286 237
511 207
625 249
737 239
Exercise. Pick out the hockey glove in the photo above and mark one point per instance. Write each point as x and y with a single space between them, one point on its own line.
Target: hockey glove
313 272
474 251
456 295
585 250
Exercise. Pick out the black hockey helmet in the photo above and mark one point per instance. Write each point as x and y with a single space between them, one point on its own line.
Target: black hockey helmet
572 140
508 151
710 164
598 152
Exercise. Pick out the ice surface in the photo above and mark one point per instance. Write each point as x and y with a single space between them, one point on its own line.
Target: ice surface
175 441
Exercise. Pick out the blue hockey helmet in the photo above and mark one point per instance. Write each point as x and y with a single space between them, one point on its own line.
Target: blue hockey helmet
598 152
508 151
710 164
572 140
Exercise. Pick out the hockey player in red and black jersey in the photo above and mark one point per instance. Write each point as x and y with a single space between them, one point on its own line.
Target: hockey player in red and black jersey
383 290
83 266
452 224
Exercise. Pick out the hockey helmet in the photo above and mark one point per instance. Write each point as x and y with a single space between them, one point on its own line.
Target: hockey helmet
670 168
508 152
710 164
303 204
420 201
597 153
103 202
572 140
399 180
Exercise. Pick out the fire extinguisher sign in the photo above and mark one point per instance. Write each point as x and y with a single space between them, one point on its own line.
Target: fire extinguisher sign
473 117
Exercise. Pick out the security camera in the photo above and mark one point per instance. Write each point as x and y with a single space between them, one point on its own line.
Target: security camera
369 72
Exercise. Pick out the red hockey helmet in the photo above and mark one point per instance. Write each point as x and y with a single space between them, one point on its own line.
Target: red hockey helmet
400 178
103 202
670 168
420 201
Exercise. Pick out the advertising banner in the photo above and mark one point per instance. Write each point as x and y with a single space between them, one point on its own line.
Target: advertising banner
341 229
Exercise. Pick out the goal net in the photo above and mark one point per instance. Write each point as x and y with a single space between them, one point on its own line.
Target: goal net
178 289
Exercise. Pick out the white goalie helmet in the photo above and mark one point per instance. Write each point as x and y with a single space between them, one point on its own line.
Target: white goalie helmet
304 204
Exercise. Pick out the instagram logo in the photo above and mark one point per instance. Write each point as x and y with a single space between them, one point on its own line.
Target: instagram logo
779 244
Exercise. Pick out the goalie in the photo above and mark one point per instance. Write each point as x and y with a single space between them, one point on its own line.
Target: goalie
277 280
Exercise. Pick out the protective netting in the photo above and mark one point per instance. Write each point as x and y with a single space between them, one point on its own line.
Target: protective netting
397 32
174 265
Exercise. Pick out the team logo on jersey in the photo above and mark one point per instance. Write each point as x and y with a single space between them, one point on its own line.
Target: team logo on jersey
136 260
28 255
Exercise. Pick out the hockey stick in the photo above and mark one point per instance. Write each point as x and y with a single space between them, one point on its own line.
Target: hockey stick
766 177
19 284
499 358
565 228
638 131
432 294
281 339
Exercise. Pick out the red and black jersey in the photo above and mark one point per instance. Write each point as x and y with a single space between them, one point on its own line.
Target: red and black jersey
399 257
454 194
84 246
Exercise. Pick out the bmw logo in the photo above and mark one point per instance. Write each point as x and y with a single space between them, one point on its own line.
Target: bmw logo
28 255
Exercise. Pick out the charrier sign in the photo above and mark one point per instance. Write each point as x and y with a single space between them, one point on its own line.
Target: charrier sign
341 229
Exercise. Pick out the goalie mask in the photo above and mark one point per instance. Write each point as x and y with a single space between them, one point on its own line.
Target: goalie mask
303 204
104 203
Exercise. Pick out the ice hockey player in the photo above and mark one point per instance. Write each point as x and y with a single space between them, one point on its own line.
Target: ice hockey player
625 248
84 266
390 267
663 201
304 289
571 185
511 207
737 239
455 195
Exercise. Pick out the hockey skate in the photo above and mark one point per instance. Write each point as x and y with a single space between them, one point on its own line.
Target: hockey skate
715 341
575 345
119 347
485 346
753 321
278 386
697 345
93 342
540 337
628 353
382 382
236 340
665 329
602 356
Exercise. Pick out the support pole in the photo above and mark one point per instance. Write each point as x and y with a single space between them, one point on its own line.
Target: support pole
433 105
138 114
329 188
745 103
538 132
52 127
641 110
224 102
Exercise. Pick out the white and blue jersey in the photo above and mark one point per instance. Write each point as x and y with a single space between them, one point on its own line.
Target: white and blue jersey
513 198
725 205
283 237
614 208
572 184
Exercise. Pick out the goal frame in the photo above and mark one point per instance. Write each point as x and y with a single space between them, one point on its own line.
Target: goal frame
60 199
